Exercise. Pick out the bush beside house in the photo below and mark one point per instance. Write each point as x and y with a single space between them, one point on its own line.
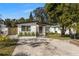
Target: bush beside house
27 34
7 45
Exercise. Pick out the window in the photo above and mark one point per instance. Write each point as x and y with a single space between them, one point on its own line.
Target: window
25 28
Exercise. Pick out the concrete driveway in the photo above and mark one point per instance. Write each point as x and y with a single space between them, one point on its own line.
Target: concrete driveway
45 47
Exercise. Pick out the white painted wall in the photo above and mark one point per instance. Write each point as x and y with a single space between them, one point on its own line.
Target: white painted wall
54 29
4 29
44 30
58 29
67 31
32 27
37 28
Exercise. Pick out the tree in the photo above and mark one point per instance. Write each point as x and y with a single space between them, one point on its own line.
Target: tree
40 15
31 17
8 22
76 17
13 23
65 18
21 20
51 11
60 13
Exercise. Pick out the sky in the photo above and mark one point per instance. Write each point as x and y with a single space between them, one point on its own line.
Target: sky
17 10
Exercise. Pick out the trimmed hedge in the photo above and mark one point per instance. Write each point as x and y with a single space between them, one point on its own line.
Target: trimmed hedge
27 34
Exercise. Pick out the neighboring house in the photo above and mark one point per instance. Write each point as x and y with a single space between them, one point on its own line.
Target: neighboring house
55 29
3 29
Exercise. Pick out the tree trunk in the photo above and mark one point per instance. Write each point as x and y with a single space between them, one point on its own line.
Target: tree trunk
63 31
70 33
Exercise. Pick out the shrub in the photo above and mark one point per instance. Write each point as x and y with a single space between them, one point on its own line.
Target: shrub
33 34
50 33
6 41
29 34
4 38
20 34
25 33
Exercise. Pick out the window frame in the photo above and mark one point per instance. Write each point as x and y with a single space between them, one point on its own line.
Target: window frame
25 28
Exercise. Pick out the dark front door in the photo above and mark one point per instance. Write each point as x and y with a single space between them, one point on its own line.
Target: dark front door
40 31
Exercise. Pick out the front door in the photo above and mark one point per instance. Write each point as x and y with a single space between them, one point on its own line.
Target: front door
40 31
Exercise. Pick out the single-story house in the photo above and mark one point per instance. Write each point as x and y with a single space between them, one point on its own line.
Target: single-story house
32 27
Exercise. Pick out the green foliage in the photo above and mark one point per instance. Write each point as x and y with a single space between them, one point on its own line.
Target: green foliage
20 34
27 34
10 22
33 34
58 36
30 17
77 27
21 20
50 33
64 14
40 15
7 45
6 41
4 38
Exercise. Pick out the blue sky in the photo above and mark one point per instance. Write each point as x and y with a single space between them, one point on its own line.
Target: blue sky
18 10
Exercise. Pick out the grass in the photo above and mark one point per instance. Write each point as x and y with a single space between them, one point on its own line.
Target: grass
58 36
7 51
7 47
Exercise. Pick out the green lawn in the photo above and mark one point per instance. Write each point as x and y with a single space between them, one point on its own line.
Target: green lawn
57 36
7 47
6 51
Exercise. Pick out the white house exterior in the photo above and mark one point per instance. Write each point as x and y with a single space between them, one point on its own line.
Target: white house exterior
33 28
40 29
3 29
55 29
